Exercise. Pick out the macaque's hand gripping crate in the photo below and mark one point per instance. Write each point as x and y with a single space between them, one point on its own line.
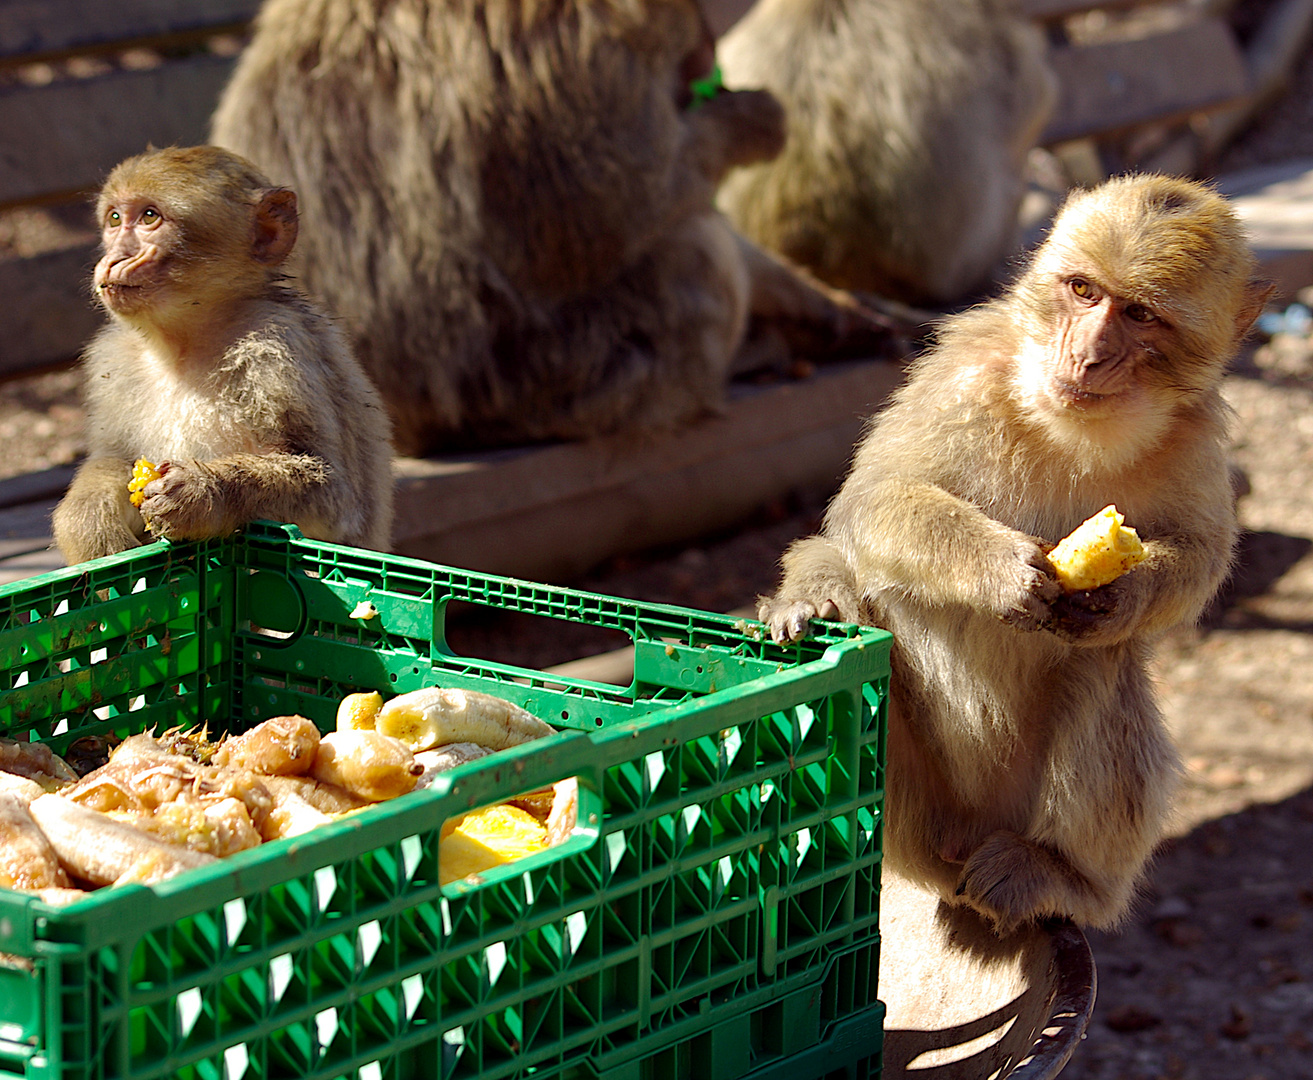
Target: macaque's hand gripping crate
714 913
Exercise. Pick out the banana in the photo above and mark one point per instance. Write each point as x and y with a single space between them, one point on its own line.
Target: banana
357 712
486 838
94 847
366 763
433 717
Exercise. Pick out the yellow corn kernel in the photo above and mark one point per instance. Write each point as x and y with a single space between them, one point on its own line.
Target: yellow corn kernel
143 472
486 838
1100 550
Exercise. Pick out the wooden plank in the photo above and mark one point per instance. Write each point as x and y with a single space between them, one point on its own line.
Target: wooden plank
31 28
33 487
1276 204
25 542
552 512
53 314
64 138
1049 11
1117 85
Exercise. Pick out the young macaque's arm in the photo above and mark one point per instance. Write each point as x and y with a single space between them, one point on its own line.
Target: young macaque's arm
919 542
818 584
734 128
95 517
196 500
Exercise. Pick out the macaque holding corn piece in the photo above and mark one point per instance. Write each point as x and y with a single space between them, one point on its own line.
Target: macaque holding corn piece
215 368
1029 768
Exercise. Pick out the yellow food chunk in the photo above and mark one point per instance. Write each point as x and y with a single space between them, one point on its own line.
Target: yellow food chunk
357 712
486 838
143 472
1099 551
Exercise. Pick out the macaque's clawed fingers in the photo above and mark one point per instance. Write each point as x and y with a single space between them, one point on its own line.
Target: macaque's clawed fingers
1028 587
1095 616
788 620
182 504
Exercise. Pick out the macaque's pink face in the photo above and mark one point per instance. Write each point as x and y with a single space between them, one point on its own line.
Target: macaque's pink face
138 240
1104 346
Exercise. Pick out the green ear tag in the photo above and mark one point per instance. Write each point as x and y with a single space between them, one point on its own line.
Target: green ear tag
706 88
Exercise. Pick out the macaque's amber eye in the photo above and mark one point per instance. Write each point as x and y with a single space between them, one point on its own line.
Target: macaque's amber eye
149 216
1139 313
114 218
1082 288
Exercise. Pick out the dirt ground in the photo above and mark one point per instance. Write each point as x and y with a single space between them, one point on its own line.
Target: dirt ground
1212 979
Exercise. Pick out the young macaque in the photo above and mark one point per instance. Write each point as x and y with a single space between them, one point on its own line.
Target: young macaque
910 127
1029 769
510 203
213 367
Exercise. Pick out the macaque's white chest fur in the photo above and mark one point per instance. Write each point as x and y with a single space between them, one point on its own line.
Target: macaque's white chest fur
181 416
1111 437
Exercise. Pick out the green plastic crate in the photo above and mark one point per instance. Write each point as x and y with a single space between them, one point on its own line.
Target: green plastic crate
716 912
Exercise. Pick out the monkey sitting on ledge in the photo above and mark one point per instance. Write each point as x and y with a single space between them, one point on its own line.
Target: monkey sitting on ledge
214 367
1029 768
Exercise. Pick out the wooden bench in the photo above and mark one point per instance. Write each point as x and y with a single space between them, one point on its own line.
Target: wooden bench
84 84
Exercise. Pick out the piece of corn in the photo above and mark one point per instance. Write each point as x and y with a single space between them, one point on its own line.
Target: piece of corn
143 472
1100 550
486 838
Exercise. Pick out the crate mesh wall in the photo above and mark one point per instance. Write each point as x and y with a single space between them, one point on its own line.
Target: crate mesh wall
718 909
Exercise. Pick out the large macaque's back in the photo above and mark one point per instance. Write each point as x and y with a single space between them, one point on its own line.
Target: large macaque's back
500 197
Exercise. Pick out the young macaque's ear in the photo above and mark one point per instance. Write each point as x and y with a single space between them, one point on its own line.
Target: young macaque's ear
275 226
1257 294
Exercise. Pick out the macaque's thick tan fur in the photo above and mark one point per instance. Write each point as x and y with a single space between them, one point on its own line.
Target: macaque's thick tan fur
223 371
511 205
1029 769
910 123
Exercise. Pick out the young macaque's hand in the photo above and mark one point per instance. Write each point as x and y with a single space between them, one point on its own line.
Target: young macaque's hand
788 619
1024 585
1099 616
182 504
756 119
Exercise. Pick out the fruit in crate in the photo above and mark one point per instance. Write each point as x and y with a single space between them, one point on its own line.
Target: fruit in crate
485 838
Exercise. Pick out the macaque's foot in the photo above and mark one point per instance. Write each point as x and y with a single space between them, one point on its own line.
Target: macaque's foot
788 619
1013 881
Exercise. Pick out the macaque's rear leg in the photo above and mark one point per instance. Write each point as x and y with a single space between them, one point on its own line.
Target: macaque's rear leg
95 517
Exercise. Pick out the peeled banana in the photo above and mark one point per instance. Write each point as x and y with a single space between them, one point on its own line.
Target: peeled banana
435 716
358 712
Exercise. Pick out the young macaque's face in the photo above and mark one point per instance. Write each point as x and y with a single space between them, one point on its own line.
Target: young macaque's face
1101 343
138 239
